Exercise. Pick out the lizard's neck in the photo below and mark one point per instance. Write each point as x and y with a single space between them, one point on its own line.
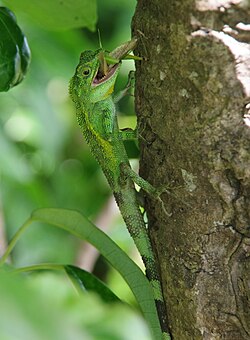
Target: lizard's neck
98 122
102 119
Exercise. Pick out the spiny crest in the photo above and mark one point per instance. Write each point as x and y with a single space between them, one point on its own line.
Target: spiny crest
88 55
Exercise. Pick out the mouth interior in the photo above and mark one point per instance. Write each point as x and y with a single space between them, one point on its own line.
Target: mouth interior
100 77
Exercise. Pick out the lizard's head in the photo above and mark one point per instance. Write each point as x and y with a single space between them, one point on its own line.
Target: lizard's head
91 82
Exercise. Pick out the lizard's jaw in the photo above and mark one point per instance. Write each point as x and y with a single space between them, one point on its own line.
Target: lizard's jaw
102 78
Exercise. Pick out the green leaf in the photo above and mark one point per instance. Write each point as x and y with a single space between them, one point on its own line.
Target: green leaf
84 280
80 226
58 14
14 51
81 279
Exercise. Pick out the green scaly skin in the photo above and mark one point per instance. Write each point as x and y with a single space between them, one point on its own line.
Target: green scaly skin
97 118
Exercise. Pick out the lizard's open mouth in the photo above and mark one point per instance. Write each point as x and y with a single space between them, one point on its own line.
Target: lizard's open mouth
100 77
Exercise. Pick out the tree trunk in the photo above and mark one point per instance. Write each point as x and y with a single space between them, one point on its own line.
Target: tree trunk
192 96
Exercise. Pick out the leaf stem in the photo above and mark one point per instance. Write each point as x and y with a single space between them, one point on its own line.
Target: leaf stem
14 240
42 266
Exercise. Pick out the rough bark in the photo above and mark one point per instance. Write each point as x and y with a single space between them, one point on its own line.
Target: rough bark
192 97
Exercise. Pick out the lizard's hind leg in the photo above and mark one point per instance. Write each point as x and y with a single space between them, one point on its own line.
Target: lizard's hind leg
145 185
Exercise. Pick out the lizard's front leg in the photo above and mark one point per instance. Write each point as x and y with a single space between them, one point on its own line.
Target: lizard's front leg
128 134
125 91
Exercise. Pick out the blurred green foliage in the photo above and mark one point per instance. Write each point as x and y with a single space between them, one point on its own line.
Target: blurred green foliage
44 306
57 14
44 161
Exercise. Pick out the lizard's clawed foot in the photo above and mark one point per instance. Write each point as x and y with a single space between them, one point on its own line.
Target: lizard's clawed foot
146 186
169 214
169 190
159 192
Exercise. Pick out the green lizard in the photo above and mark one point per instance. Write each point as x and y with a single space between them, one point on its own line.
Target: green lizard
91 90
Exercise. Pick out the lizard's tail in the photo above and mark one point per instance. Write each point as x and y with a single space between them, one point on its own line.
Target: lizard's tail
133 218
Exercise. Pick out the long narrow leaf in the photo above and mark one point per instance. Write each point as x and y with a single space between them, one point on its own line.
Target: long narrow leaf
80 226
80 278
84 280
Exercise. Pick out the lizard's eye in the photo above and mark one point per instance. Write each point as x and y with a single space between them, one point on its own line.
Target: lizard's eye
86 71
